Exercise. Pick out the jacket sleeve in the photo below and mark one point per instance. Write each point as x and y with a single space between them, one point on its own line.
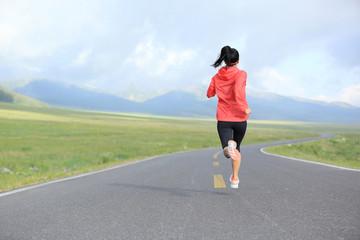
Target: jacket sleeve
240 93
211 90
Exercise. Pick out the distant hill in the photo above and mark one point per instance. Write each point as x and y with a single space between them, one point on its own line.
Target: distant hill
276 107
65 95
265 106
180 103
9 96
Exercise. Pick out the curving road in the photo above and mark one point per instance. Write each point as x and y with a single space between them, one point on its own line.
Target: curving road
183 196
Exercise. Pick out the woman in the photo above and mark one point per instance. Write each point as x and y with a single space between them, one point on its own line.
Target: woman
232 110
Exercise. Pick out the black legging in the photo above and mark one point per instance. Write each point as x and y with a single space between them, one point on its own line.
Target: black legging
231 131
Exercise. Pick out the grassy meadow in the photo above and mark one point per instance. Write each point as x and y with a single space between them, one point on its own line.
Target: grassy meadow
41 144
343 150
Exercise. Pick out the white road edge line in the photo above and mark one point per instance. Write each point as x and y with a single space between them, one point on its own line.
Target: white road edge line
72 177
2 194
307 161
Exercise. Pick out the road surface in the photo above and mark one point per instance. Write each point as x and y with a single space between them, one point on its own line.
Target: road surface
183 196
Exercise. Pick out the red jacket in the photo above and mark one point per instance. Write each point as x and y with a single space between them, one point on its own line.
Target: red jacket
229 85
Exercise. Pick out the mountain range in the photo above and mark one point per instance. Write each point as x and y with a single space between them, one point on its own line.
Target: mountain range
9 96
265 106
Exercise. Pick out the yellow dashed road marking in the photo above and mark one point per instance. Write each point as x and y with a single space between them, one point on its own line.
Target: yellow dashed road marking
218 178
216 155
219 181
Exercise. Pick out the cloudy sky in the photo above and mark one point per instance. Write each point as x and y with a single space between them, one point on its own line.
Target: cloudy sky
137 49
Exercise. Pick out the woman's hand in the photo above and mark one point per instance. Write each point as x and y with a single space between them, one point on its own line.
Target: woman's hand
247 111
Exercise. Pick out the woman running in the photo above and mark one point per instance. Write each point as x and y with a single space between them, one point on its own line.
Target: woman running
232 109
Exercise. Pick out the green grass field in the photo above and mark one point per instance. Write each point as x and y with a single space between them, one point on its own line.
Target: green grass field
41 144
344 150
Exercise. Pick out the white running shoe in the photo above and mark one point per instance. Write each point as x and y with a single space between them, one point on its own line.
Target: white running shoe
234 183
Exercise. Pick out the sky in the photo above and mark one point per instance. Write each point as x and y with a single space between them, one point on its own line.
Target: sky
139 49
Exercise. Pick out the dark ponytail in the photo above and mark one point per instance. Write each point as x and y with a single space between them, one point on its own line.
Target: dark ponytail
229 55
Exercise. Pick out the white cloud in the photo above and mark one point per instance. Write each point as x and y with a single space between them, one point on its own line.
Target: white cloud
156 61
83 57
324 98
8 33
48 29
157 45
34 69
20 22
269 79
351 95
310 74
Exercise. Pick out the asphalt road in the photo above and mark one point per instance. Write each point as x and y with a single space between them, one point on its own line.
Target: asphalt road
182 196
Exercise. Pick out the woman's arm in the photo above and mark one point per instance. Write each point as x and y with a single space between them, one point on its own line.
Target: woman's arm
211 90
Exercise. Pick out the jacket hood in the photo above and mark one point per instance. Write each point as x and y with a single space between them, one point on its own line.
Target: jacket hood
228 73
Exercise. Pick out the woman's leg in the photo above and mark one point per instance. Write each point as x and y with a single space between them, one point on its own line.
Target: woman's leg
232 131
239 133
225 134
236 167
